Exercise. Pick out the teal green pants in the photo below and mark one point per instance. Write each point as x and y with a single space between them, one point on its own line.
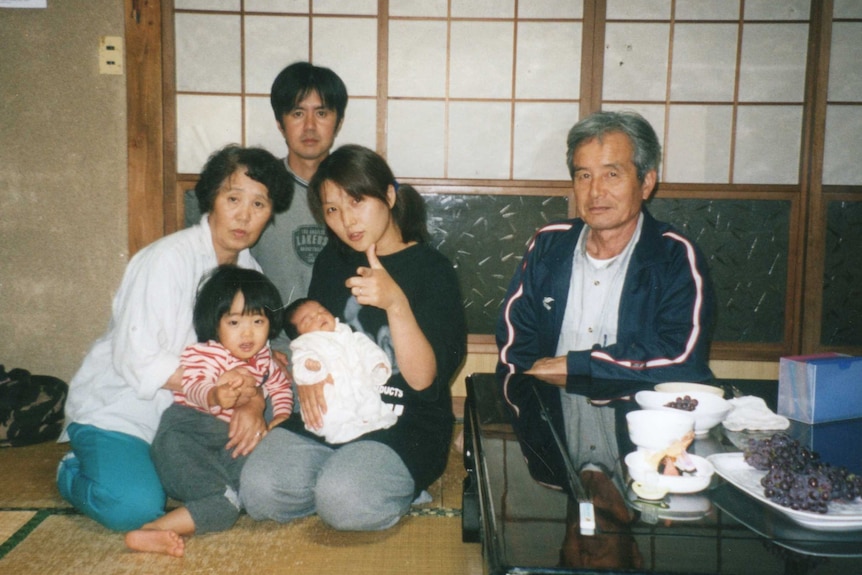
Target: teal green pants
110 477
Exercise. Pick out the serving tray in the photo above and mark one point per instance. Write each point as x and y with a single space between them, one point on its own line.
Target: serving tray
842 515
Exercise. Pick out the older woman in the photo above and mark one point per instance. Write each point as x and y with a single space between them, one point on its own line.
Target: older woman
119 393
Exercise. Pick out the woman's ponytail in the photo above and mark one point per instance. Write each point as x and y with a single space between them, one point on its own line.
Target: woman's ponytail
409 213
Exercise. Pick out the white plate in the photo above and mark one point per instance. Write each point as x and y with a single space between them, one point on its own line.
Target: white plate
640 471
842 516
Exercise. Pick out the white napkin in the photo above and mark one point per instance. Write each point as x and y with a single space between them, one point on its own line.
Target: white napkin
750 412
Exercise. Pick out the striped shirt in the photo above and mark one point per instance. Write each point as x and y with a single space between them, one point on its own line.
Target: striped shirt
205 362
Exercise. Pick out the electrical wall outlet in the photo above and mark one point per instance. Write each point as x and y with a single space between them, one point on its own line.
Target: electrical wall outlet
111 55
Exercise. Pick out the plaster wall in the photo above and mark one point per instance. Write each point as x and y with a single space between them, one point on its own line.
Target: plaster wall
63 197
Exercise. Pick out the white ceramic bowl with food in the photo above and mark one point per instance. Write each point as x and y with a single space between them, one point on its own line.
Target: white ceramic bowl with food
709 412
654 430
682 387
640 470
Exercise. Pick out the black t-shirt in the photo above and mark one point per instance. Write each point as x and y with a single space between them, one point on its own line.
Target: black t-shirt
423 433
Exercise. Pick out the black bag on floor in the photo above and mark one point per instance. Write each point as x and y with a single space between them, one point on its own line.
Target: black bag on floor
31 407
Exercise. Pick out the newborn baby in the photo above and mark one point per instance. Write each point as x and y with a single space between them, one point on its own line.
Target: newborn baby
324 349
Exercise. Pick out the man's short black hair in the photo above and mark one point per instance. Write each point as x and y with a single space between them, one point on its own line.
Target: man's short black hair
297 81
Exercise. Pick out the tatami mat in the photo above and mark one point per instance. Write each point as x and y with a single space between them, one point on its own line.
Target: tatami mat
40 534
73 545
11 522
29 476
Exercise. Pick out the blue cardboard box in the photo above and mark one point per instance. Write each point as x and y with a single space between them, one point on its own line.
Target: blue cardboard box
820 388
836 442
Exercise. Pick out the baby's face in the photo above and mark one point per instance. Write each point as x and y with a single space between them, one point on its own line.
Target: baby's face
312 316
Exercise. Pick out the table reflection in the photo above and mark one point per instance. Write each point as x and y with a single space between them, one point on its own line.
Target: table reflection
563 431
576 442
613 544
536 450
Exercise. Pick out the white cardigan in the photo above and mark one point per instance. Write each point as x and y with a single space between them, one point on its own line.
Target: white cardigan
119 384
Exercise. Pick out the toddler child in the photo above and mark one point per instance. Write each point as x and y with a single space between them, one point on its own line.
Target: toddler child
236 313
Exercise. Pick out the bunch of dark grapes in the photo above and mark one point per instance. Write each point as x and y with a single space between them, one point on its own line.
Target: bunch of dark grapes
779 450
797 478
846 485
808 490
687 403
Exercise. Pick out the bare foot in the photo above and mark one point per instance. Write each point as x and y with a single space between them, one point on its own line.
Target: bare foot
156 541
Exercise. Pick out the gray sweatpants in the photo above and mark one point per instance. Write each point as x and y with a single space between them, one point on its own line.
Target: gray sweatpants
194 466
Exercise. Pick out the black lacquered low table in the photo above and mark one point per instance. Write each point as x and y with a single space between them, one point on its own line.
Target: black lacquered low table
525 482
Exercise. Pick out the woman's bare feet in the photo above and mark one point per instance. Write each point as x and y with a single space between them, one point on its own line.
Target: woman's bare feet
156 541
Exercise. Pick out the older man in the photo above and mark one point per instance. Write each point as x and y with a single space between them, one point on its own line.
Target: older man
614 293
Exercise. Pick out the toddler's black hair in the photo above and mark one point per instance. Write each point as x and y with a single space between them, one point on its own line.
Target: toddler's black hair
218 290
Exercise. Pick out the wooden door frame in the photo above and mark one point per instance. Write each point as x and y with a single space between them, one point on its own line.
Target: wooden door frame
151 154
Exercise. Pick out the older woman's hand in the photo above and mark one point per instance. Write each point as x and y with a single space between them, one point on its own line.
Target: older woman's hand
247 425
175 381
312 403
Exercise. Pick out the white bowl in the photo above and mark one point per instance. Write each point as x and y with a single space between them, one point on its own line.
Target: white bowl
639 470
655 430
684 387
710 410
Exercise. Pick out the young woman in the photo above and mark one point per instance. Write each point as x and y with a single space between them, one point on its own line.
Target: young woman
118 395
378 273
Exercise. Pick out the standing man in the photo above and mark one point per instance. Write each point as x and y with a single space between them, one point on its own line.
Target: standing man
614 293
309 103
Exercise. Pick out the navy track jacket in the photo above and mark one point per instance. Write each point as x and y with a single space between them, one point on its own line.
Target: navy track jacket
665 316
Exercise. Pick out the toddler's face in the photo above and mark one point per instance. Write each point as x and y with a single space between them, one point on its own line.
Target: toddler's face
243 334
312 316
